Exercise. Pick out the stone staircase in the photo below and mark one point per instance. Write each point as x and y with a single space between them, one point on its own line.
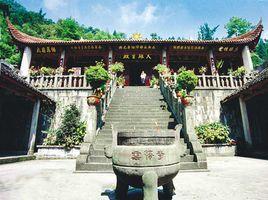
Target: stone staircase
134 108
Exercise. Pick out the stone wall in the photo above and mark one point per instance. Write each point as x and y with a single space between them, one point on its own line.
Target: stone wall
65 97
207 107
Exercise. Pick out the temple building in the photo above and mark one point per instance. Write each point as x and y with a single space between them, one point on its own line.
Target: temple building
136 54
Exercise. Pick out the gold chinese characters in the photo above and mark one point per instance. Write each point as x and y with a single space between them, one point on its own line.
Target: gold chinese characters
48 49
136 56
128 47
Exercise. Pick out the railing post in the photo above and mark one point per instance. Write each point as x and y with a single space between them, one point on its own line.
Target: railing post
84 81
41 81
55 81
70 81
231 81
204 80
218 80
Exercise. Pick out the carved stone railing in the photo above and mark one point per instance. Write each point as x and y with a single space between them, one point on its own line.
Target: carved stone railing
184 115
59 82
217 81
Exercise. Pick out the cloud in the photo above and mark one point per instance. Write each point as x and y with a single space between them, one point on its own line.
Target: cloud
54 4
130 14
100 9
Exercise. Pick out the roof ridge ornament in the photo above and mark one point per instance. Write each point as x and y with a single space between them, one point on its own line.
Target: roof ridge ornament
136 36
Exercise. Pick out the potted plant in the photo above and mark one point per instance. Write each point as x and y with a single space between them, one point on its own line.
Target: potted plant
71 71
161 69
186 82
240 72
117 68
120 81
219 64
181 69
97 77
203 69
154 82
47 71
34 72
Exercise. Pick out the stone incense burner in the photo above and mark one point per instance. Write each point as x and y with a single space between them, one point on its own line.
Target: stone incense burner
145 160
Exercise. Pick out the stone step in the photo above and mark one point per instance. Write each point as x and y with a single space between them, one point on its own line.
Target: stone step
98 167
133 115
137 117
103 159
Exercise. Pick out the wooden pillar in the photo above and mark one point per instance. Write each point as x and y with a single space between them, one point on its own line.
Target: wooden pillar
211 62
247 61
26 62
164 56
244 115
33 129
62 59
110 57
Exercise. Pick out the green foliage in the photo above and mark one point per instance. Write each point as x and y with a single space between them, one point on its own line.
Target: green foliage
219 64
186 80
46 71
213 133
206 33
120 81
161 68
181 69
262 50
154 81
240 72
117 67
154 36
97 75
72 130
36 24
256 60
237 26
203 69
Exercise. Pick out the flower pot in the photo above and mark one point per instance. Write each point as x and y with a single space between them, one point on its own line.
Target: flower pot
93 100
188 100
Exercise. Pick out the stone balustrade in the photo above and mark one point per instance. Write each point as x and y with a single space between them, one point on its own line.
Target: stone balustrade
184 115
216 81
59 82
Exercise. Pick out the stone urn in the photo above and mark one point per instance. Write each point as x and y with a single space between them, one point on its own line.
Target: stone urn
145 160
93 100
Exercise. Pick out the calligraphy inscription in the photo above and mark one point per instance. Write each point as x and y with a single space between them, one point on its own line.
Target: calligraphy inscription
147 154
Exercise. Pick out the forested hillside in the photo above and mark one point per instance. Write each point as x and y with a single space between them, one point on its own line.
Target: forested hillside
36 24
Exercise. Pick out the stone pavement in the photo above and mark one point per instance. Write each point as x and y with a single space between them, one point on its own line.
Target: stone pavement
229 178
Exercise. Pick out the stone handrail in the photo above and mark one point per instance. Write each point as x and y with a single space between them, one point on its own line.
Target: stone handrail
184 115
220 81
59 82
217 81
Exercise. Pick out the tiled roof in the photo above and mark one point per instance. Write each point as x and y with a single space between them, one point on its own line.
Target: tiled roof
249 37
262 76
7 72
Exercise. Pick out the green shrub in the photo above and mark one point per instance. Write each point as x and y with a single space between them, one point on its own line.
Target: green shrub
186 80
240 72
117 67
161 68
120 81
96 75
47 71
154 81
213 133
71 131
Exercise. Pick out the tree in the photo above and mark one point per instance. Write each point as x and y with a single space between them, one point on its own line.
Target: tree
206 33
154 36
237 26
256 60
261 50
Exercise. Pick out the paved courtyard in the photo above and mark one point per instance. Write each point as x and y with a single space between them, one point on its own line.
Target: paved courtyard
229 178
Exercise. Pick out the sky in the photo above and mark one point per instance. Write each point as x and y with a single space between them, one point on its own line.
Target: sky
178 18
